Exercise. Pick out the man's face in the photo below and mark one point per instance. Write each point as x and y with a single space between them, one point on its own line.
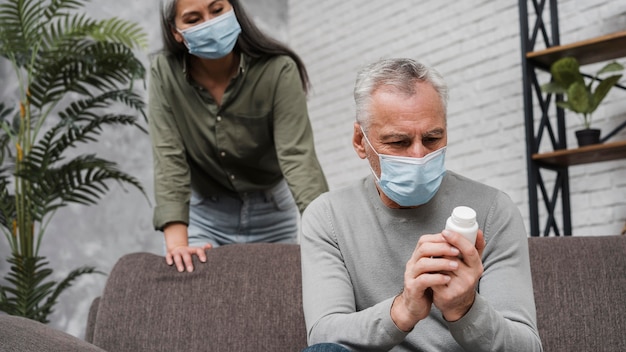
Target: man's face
405 126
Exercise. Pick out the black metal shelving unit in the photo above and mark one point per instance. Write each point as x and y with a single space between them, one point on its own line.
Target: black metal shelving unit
535 32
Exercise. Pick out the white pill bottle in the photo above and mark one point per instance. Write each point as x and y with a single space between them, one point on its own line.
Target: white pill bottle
463 221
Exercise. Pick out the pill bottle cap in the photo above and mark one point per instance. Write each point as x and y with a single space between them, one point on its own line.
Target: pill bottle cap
464 216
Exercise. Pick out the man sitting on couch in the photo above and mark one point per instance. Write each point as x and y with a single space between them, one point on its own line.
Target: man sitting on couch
363 244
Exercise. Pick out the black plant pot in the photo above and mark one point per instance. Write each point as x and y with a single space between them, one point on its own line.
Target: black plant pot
588 136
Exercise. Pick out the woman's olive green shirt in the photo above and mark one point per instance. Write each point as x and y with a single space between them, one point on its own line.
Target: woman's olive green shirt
260 134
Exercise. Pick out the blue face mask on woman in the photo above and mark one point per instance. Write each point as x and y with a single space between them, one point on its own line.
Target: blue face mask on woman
410 181
213 39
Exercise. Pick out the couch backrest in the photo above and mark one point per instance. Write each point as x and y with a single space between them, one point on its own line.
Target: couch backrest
579 285
580 292
244 298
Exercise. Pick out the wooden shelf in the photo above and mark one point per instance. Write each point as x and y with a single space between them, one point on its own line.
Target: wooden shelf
587 154
604 48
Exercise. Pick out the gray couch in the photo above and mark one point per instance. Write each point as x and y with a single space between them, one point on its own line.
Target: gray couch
248 298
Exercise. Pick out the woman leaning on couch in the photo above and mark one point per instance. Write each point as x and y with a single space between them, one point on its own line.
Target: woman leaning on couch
234 159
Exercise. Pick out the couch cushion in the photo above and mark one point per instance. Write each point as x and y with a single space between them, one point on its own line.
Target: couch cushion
246 297
580 292
18 334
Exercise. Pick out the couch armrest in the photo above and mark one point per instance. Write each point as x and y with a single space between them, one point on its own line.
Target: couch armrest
580 292
19 334
91 319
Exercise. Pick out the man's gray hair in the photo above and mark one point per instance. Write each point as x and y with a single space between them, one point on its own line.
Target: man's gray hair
400 74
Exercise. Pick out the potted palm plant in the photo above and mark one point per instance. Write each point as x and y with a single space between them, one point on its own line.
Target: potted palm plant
581 97
71 72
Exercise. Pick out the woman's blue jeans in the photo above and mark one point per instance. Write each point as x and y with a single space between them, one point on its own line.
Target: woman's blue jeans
264 216
326 347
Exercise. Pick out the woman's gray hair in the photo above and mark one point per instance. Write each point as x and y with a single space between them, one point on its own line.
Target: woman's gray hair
400 74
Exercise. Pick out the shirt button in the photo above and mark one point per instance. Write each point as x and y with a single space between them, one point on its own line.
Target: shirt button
223 154
219 118
232 177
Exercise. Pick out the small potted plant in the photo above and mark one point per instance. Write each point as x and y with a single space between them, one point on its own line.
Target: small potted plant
581 97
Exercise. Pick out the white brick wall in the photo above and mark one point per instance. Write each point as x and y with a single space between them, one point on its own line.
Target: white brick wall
476 46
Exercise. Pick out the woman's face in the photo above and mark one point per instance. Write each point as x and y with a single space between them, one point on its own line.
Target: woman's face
193 12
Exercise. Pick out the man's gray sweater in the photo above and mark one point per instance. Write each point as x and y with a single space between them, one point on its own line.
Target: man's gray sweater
354 251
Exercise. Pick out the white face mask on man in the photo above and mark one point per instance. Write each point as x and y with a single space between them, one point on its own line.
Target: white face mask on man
410 181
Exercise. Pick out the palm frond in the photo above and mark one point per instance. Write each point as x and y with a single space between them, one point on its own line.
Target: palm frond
83 109
66 30
7 200
92 67
120 31
57 6
7 130
20 24
82 180
126 97
5 111
71 26
28 276
67 133
46 309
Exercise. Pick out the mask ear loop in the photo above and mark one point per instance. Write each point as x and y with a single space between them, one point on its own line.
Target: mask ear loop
375 152
368 141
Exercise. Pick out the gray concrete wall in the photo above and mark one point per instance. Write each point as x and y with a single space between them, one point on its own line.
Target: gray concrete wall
122 222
